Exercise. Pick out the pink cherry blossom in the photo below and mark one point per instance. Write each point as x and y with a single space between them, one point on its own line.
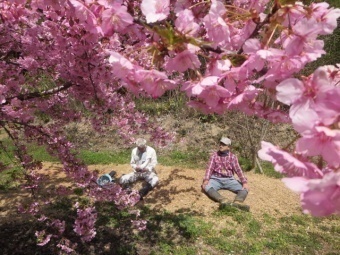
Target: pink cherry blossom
319 197
217 67
309 97
247 96
115 19
289 91
287 164
185 22
139 224
154 82
217 8
42 237
327 17
217 30
84 14
304 31
155 10
3 90
328 109
65 248
45 4
280 65
251 46
322 141
303 115
249 66
59 226
258 5
84 224
121 66
276 116
28 63
210 92
183 61
106 3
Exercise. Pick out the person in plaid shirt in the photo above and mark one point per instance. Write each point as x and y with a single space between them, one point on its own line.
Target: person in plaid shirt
220 175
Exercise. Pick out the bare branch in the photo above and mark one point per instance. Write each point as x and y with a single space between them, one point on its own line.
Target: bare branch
259 165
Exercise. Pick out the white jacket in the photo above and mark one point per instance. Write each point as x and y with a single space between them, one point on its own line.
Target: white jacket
146 160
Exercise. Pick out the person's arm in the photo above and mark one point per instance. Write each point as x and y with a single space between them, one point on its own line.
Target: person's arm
145 165
237 169
132 161
209 171
151 159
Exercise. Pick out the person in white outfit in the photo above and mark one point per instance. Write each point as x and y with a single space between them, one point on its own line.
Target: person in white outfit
143 162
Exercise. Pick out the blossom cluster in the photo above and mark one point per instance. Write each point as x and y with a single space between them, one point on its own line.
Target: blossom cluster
315 112
84 224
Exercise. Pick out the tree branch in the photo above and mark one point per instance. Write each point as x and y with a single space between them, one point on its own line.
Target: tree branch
39 94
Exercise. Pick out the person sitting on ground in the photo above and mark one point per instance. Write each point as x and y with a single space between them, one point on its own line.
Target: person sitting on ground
220 175
143 162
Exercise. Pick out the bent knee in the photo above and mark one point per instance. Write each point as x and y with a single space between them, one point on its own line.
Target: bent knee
153 181
125 179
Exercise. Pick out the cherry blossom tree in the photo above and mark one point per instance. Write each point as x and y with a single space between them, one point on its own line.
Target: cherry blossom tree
63 59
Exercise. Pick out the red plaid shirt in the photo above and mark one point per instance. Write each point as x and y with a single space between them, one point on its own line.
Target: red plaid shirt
224 167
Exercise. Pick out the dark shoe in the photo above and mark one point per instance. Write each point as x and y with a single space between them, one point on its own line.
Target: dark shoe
113 173
241 195
140 203
145 190
214 195
126 187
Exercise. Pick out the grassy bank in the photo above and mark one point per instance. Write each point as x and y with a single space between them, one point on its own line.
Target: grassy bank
226 231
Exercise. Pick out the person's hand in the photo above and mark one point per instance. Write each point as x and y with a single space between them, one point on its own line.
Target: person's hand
139 169
245 186
205 183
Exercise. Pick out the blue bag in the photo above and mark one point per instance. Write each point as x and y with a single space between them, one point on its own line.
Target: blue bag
106 179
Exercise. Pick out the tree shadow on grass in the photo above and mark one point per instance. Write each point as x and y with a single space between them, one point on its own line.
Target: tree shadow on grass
17 238
115 233
113 227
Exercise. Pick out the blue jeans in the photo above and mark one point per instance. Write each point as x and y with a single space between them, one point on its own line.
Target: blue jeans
228 183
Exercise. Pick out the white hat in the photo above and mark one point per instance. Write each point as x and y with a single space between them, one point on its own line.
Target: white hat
140 142
225 140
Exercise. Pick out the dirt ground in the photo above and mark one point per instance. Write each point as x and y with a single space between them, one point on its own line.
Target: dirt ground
179 190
